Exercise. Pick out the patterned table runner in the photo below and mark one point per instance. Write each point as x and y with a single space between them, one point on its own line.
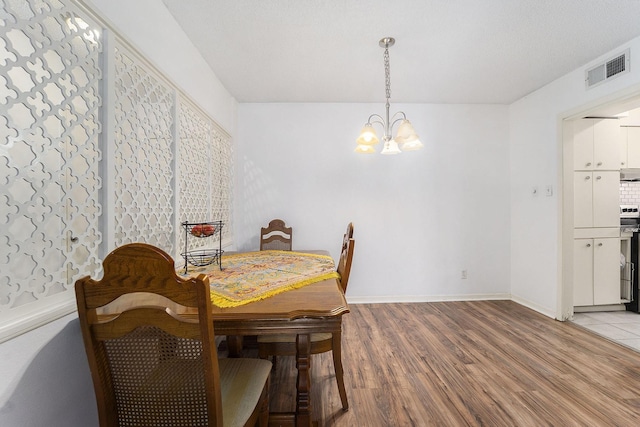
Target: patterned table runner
252 276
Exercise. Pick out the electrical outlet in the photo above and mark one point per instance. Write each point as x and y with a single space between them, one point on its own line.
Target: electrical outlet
463 274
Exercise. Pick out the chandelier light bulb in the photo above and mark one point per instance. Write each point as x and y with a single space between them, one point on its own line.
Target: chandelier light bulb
368 135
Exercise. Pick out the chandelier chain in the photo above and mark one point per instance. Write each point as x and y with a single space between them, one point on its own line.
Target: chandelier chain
387 73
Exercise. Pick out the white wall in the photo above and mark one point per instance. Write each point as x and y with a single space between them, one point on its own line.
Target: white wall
46 379
420 217
535 160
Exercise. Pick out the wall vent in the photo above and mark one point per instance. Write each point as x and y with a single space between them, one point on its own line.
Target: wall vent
609 69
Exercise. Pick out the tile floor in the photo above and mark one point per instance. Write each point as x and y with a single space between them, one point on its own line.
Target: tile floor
619 326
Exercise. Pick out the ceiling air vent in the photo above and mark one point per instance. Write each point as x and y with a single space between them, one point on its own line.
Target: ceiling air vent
608 70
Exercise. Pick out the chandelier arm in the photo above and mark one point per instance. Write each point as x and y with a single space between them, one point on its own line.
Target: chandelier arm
384 123
399 113
380 120
399 119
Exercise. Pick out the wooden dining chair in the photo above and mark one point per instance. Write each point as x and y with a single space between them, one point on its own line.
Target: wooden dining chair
149 339
344 262
285 345
276 236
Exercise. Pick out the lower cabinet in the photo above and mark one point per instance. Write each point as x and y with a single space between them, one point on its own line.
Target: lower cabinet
596 271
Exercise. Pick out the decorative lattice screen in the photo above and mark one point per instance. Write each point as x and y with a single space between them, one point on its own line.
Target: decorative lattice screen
222 179
194 165
144 118
54 129
205 165
49 154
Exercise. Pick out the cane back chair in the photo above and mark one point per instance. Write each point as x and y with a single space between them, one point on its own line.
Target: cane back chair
150 343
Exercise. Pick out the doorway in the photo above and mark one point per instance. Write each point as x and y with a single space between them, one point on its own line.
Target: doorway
610 107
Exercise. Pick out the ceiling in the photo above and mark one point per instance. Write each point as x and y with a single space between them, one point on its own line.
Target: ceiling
454 51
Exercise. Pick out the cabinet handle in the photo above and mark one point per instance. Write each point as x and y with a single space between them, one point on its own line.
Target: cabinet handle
599 163
589 164
587 177
588 245
599 244
598 177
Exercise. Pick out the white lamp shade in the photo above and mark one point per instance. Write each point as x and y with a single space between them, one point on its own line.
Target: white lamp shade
390 147
406 133
415 144
368 136
365 149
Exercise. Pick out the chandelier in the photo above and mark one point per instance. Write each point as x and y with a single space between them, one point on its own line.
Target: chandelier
406 138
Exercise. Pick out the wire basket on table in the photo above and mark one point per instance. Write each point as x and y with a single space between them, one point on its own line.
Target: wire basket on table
202 257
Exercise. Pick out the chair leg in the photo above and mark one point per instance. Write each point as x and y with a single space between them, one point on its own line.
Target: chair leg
234 345
263 417
262 354
337 366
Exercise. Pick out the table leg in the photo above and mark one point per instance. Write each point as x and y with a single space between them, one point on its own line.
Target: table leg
303 385
234 345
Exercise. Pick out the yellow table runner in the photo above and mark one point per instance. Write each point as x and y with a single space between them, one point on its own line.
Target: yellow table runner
252 276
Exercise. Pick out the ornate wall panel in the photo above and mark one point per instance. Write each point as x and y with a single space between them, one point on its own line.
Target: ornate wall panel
52 175
194 137
205 165
222 179
144 119
49 153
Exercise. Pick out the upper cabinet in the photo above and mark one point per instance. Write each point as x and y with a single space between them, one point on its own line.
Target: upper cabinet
630 147
624 148
596 145
596 200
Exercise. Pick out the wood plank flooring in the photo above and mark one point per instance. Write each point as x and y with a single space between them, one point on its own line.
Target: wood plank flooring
484 363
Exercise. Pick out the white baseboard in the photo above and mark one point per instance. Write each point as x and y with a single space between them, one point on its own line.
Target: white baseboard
443 298
595 308
533 306
424 298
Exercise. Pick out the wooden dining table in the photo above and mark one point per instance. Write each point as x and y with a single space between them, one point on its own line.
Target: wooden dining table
313 308
317 307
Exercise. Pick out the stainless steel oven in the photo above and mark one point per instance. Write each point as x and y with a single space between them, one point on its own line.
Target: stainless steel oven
630 224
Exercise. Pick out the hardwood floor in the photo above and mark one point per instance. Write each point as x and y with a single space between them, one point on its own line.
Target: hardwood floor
485 363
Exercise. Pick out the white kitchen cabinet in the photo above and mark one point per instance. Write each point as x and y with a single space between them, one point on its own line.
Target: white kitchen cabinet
582 272
597 159
596 144
596 271
582 199
633 146
624 155
596 199
606 271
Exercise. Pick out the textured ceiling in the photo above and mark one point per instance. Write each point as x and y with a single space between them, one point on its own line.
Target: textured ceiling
446 51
